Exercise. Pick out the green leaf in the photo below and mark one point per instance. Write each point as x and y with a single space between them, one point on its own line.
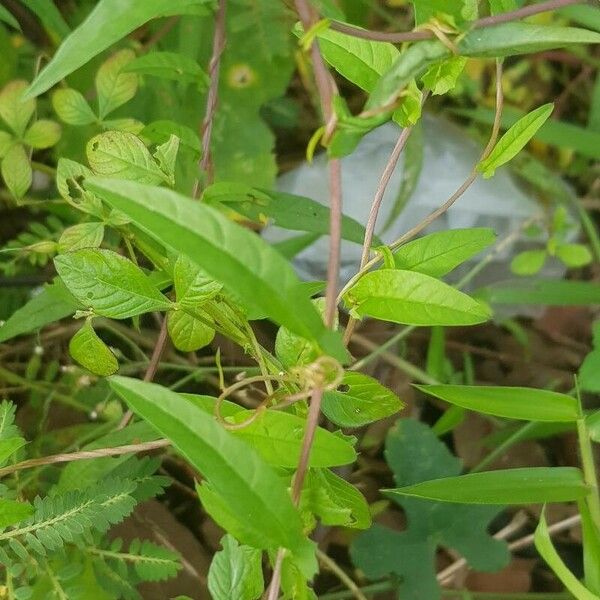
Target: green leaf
360 61
360 400
442 76
511 402
515 139
277 436
123 155
159 132
414 454
439 253
235 572
574 255
589 372
6 141
233 469
591 548
15 111
545 292
82 235
12 512
507 39
52 304
9 446
50 17
72 108
287 211
543 543
109 283
528 262
166 156
187 333
169 65
16 171
115 85
92 353
7 17
500 6
42 134
109 21
513 486
335 501
428 9
230 254
412 298
193 287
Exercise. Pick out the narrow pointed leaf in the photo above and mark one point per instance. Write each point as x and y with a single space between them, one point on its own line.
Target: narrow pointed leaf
412 298
529 404
544 545
246 265
232 468
110 21
515 139
513 486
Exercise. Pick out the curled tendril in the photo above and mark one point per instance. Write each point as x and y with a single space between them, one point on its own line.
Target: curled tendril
440 30
325 373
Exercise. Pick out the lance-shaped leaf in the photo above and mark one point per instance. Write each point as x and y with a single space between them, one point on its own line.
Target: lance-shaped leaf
412 298
109 283
512 486
511 402
544 545
360 400
515 139
439 253
246 265
110 21
235 472
507 39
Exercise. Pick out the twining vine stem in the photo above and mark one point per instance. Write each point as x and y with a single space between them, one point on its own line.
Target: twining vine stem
427 34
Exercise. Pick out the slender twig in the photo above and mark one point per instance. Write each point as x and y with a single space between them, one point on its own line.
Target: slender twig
330 564
426 34
84 455
161 342
455 196
556 528
212 100
327 89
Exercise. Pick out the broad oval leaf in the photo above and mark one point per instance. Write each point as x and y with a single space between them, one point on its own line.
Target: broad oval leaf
14 110
16 171
439 253
169 65
515 139
72 107
529 404
412 298
528 262
235 572
92 353
82 235
110 21
42 134
187 333
123 155
544 545
114 84
233 469
193 287
232 255
512 486
362 401
277 436
109 283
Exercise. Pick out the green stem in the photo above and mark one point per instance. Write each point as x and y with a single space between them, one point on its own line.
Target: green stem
589 470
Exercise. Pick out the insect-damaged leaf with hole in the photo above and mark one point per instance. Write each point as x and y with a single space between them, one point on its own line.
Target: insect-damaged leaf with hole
415 454
109 283
359 400
246 265
244 484
412 298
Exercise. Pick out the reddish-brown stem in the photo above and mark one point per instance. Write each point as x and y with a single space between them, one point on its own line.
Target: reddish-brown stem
414 36
212 99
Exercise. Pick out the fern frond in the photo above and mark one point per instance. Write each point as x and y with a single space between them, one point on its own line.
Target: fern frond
142 471
8 429
69 517
149 561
